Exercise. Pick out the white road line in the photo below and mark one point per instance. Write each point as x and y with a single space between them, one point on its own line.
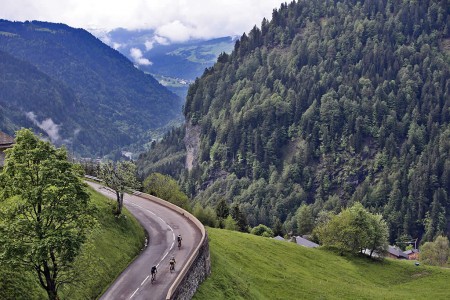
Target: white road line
163 257
145 280
134 293
167 253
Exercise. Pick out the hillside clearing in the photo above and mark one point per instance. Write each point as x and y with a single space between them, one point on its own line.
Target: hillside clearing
251 267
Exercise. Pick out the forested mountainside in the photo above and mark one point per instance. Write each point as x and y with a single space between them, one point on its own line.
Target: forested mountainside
28 90
95 97
329 103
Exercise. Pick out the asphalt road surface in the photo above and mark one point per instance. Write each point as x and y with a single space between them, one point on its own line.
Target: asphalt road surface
162 225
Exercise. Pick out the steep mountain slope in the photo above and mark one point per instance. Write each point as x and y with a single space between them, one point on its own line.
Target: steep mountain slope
329 103
119 101
24 99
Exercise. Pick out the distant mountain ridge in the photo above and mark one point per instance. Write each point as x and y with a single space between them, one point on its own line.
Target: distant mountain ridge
174 64
115 104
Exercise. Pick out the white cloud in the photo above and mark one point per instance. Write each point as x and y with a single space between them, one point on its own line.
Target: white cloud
175 19
176 31
115 45
161 40
48 126
149 45
136 54
155 39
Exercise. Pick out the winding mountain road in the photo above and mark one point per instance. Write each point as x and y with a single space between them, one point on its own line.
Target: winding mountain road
162 225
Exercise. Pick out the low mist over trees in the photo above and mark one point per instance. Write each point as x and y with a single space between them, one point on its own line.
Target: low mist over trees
96 98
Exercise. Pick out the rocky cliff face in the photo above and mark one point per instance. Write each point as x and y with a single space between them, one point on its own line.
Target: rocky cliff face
192 142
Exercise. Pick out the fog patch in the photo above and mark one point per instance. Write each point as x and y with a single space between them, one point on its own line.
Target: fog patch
116 46
138 58
48 126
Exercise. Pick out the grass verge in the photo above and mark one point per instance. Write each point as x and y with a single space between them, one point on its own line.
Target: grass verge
251 267
111 246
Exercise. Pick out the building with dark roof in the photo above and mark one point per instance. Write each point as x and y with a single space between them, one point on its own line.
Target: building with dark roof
6 142
304 242
412 254
394 252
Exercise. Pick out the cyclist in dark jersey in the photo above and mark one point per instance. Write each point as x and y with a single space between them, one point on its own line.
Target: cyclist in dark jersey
172 263
179 241
154 271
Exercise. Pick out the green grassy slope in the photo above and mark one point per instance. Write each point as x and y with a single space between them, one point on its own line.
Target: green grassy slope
112 245
250 267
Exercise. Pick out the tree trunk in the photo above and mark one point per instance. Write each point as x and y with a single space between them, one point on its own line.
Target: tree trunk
50 286
52 295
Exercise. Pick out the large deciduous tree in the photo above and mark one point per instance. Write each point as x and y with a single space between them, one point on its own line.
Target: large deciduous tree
120 177
355 230
435 253
45 211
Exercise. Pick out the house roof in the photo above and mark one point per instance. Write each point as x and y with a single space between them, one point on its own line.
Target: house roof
408 252
304 242
397 252
5 140
279 238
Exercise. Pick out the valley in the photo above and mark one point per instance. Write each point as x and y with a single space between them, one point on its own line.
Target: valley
327 120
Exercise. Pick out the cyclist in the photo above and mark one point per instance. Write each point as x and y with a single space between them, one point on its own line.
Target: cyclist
179 241
154 271
172 263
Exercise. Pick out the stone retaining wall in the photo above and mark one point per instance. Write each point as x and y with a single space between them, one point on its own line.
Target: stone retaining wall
197 273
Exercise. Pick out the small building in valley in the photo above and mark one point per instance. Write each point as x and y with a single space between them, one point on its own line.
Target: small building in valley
6 142
304 242
397 253
412 254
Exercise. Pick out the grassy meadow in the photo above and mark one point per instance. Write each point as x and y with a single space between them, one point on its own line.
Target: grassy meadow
112 245
245 266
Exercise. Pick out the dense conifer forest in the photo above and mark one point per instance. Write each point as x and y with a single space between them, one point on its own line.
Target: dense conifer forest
327 104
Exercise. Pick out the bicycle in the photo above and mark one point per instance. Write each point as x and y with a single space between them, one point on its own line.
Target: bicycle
172 264
153 278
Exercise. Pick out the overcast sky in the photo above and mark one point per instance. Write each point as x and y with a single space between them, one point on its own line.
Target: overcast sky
177 20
